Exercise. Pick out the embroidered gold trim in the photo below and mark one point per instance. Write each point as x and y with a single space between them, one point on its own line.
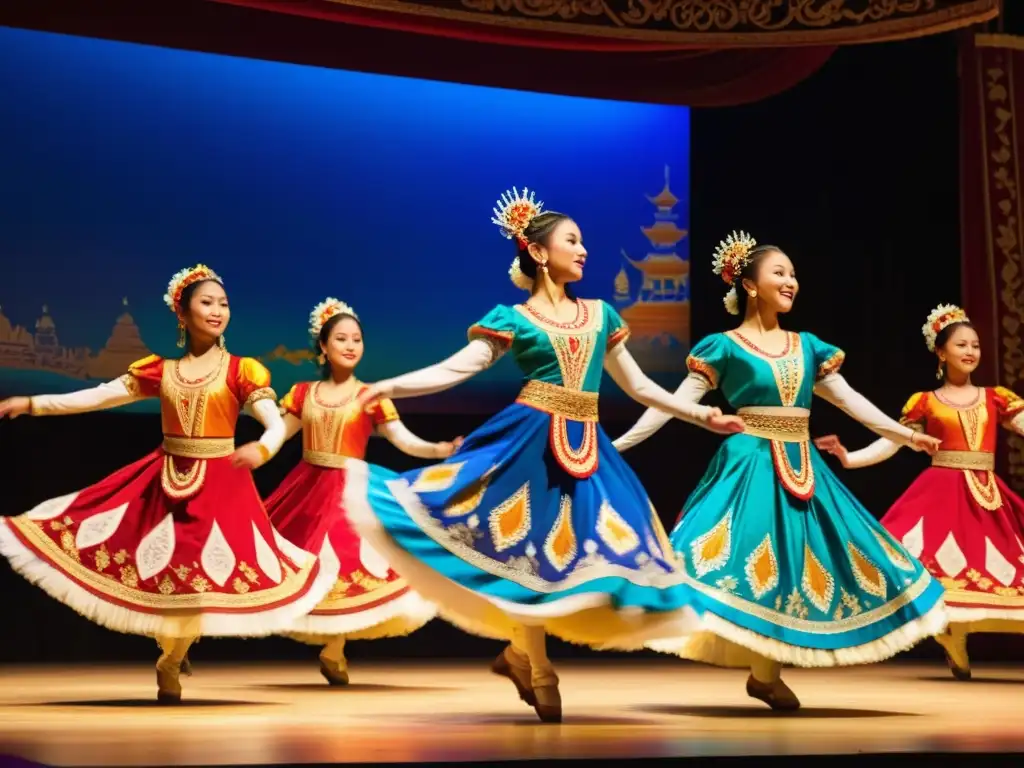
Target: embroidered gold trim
818 627
831 365
180 485
980 461
263 393
954 596
64 562
559 401
800 484
579 462
324 459
616 338
702 368
444 537
985 492
199 447
787 425
344 604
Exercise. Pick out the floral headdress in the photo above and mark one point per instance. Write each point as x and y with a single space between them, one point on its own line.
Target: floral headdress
513 214
183 280
731 256
942 316
324 311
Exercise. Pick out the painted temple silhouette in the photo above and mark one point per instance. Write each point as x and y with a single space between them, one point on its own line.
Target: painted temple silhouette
659 315
42 350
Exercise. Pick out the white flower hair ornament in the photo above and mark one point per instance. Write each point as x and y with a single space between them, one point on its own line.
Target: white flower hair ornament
324 311
185 278
942 316
731 256
513 214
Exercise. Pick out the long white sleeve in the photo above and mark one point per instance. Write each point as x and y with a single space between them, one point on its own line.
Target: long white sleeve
292 426
274 432
110 394
1016 424
837 391
882 449
399 436
473 358
692 390
634 382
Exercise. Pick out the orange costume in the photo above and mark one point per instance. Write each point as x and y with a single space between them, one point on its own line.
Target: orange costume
178 543
958 517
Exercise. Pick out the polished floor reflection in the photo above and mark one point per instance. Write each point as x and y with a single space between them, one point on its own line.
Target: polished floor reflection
262 714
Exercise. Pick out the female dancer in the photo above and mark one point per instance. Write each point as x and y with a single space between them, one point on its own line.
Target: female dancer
178 544
958 517
535 524
369 600
794 569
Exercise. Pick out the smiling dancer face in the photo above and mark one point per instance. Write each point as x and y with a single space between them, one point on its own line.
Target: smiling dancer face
341 345
203 312
959 351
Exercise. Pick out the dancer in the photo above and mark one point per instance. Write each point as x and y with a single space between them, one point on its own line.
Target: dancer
958 517
369 600
535 524
177 544
794 569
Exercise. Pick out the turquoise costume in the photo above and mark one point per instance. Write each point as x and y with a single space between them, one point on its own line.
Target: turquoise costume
536 519
793 567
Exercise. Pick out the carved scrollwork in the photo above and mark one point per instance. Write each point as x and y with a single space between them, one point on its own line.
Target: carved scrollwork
709 22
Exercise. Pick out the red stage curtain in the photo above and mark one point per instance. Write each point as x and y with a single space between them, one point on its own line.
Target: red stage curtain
992 166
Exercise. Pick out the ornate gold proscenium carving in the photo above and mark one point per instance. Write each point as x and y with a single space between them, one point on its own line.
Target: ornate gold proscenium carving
712 22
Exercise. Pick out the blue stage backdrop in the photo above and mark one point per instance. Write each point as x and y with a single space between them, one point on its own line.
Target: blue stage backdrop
120 164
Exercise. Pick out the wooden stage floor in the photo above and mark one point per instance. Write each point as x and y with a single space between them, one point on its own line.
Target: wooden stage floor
274 714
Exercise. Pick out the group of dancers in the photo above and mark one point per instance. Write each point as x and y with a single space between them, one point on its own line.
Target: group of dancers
534 524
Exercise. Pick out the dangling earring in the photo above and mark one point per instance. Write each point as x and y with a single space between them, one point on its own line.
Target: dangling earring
181 335
221 342
544 266
321 358
939 374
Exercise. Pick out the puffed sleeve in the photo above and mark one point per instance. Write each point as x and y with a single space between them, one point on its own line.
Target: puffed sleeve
1010 407
709 359
828 359
292 402
497 328
618 331
252 382
143 377
382 411
914 412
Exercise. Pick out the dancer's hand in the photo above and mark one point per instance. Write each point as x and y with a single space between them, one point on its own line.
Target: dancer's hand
446 449
723 425
249 456
831 444
369 394
925 443
13 407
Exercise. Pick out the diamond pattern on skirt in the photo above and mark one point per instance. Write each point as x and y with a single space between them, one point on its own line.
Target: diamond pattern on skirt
156 548
100 527
950 558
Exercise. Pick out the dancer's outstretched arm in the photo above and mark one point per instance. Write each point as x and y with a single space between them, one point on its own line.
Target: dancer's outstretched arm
475 357
634 382
836 390
693 389
404 440
110 394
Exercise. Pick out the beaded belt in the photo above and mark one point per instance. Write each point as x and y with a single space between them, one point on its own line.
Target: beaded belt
199 447
324 459
788 425
977 460
570 404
